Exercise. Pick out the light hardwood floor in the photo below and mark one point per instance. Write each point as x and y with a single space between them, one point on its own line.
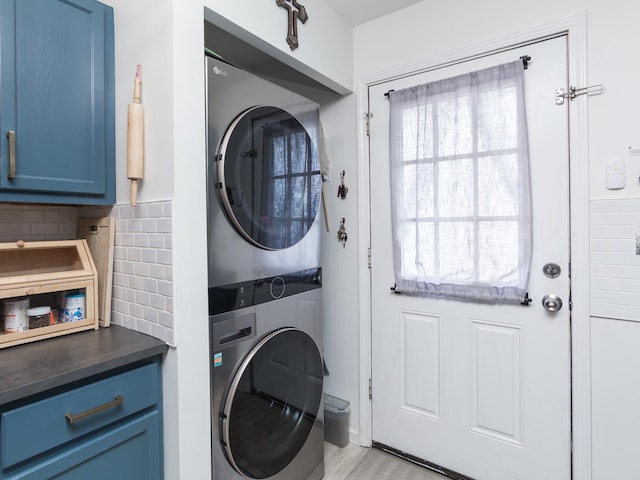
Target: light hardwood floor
338 462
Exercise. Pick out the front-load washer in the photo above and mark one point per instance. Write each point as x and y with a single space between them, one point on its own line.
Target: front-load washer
267 377
264 183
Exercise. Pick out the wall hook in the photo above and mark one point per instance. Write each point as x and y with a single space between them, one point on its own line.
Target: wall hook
342 188
342 233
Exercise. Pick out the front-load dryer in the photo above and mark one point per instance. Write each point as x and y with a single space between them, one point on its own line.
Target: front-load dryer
264 183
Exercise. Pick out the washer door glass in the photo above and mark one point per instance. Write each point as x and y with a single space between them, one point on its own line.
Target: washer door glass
269 177
272 404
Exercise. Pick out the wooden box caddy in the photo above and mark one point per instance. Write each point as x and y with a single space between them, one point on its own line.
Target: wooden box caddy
40 270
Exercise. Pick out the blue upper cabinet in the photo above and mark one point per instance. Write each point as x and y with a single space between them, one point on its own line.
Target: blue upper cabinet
57 116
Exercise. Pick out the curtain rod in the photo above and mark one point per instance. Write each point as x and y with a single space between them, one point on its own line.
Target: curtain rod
525 63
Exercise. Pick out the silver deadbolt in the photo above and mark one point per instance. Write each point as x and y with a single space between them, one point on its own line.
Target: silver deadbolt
551 270
551 303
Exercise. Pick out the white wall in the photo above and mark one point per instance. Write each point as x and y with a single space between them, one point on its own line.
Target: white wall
144 39
340 264
324 52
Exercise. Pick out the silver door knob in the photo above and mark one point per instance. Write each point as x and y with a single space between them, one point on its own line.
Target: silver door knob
551 303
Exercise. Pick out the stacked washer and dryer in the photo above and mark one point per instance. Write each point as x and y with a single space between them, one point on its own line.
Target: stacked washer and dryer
265 296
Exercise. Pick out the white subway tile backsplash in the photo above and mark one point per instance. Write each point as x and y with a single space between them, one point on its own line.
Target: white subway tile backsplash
142 235
33 216
159 331
149 255
124 239
135 282
610 245
150 314
630 205
615 267
134 255
156 271
150 285
141 270
141 239
616 284
165 257
135 309
133 225
129 295
120 280
156 210
157 301
156 240
165 288
142 298
166 319
605 232
608 258
141 210
143 326
37 222
164 225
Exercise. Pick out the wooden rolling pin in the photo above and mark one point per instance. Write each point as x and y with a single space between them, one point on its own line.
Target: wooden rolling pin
135 139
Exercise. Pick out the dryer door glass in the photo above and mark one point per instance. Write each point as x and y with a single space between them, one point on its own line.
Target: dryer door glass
272 404
269 177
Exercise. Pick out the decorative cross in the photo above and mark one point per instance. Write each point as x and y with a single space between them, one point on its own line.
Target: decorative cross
294 16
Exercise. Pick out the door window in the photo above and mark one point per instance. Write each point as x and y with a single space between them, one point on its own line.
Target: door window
461 197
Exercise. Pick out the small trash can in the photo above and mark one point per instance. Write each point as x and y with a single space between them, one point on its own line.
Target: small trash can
336 420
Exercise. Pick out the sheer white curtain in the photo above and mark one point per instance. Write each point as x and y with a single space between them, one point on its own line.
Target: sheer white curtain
460 186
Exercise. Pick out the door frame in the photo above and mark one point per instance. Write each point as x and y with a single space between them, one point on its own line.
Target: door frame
575 27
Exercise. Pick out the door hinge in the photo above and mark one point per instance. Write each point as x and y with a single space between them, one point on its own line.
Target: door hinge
367 122
369 257
370 390
575 91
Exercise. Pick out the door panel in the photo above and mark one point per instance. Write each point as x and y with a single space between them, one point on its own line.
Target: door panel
481 389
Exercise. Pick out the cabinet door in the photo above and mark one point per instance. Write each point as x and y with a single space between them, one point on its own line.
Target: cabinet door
57 96
129 452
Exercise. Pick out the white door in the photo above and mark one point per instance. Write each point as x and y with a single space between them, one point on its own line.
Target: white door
482 390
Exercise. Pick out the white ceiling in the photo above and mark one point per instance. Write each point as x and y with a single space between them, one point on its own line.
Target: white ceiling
362 11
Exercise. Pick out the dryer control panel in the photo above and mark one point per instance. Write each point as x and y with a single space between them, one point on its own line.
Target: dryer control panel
254 292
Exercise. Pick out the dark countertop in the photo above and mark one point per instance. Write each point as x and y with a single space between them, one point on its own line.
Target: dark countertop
35 367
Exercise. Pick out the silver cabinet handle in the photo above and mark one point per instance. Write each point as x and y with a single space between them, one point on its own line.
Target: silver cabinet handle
11 135
551 303
73 418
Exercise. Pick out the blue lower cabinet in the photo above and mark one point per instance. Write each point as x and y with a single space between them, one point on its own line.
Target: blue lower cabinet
128 452
104 429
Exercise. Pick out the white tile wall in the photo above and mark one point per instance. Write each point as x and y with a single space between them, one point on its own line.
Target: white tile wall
143 269
615 267
37 222
143 260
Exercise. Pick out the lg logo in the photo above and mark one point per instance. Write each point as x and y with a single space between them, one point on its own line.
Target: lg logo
219 71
